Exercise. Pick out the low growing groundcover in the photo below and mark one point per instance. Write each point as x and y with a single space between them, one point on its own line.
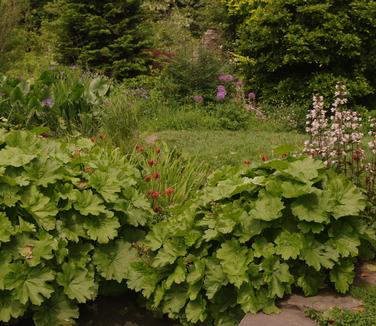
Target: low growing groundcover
73 217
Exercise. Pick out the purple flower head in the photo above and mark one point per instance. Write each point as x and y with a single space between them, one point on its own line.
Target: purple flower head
48 102
251 96
221 93
198 99
225 78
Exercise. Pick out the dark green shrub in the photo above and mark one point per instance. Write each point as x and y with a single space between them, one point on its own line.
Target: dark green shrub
251 237
103 35
298 48
68 214
193 71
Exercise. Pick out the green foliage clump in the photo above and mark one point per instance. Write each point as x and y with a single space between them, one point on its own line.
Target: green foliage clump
103 35
232 116
192 72
298 48
249 238
174 178
68 215
119 116
61 100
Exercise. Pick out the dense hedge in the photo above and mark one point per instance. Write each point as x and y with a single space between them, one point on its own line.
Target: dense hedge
67 212
250 238
300 47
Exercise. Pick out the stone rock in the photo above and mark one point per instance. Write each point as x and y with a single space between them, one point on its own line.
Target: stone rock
212 40
366 273
322 302
288 317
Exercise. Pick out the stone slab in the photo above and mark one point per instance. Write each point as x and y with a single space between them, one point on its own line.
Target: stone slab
288 317
323 302
366 273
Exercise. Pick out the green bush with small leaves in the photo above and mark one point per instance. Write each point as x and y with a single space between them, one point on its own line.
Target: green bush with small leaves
298 48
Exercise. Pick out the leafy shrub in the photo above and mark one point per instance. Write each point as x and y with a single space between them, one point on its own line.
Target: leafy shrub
298 48
193 71
60 100
232 116
249 238
67 212
103 35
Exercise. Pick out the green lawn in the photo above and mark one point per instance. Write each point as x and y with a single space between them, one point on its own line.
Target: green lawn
221 147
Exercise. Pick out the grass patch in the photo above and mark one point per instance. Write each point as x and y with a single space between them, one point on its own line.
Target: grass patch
222 147
339 317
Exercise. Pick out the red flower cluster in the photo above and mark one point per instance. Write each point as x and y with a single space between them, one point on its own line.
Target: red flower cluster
153 194
139 149
152 162
153 176
169 191
247 162
265 158
157 150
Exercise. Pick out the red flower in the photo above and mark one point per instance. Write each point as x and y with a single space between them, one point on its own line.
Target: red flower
169 191
147 178
153 194
157 150
152 162
155 175
265 158
93 139
284 155
139 149
247 162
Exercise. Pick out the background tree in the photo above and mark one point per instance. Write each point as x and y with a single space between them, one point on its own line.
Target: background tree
298 47
103 35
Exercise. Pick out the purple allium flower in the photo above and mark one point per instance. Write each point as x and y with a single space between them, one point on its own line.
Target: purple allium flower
48 102
251 96
221 93
198 99
225 78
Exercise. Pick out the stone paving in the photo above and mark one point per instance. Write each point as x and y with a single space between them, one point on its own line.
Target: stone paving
293 307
